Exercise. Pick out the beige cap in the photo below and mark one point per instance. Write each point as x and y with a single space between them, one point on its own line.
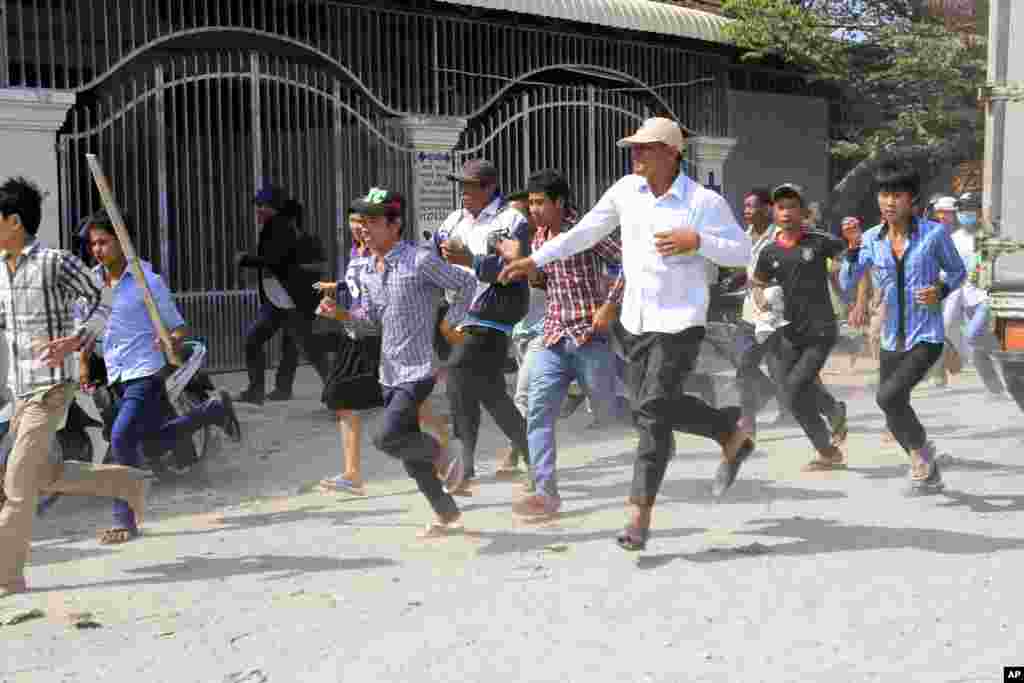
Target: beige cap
657 129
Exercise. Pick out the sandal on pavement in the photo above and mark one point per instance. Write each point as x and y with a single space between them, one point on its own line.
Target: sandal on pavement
117 536
340 484
633 538
442 529
820 464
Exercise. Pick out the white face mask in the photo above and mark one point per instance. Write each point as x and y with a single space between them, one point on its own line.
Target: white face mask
967 218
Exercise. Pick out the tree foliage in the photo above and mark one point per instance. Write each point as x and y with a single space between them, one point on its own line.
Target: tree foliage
908 85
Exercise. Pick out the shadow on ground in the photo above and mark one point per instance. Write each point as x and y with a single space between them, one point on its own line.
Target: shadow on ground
200 568
819 536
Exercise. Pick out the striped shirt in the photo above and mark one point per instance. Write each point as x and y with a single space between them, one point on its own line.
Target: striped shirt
403 299
577 288
929 251
36 308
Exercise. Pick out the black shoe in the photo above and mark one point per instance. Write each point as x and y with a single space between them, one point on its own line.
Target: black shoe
279 395
727 471
232 428
250 395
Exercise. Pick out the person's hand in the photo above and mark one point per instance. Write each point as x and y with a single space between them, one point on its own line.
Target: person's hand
519 269
452 335
858 316
328 308
927 296
508 250
85 382
53 353
538 280
604 317
456 253
325 287
677 242
175 349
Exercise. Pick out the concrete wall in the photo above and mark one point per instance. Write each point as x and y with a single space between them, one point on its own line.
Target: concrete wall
29 120
780 138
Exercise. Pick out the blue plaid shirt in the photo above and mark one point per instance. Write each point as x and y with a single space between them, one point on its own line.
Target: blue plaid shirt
404 299
930 251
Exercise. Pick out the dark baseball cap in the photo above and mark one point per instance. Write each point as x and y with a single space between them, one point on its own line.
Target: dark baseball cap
271 196
788 189
476 171
379 202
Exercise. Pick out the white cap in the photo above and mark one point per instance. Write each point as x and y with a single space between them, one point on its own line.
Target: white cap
657 129
945 204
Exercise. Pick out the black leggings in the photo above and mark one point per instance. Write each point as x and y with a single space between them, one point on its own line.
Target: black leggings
898 374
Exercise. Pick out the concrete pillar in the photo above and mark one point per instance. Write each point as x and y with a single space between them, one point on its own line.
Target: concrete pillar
434 138
710 155
29 120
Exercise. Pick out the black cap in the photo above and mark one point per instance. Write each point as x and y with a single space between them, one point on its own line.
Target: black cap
379 202
787 189
476 171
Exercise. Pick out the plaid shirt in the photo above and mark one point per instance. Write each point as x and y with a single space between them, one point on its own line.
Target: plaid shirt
404 299
36 308
576 288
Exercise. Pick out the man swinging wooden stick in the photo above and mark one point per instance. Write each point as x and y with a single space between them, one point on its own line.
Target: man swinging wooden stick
145 326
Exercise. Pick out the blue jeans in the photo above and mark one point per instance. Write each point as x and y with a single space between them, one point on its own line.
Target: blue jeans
142 416
552 370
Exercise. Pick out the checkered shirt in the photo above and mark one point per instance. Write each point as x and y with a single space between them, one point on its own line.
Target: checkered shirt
36 303
404 299
576 288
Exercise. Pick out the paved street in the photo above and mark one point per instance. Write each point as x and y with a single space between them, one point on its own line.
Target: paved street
245 574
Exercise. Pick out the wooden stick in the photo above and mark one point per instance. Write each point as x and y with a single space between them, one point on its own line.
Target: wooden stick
133 259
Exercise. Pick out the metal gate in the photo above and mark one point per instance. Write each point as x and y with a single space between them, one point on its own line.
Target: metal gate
188 140
572 128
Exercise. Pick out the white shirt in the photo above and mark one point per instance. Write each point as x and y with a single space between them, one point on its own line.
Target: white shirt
766 238
663 293
963 240
475 232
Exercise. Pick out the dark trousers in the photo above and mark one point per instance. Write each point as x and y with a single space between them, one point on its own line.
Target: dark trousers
657 366
399 435
298 334
476 379
898 373
755 388
142 415
799 363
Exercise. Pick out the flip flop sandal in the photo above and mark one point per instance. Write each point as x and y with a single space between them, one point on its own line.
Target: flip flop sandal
340 484
440 530
633 539
117 536
822 465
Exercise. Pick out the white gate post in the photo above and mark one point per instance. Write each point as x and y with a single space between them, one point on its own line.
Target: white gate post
434 138
29 120
710 155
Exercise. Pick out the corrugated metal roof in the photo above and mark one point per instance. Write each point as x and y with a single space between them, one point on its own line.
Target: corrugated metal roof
636 15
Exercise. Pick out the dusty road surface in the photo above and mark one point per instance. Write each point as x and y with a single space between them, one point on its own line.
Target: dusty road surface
244 574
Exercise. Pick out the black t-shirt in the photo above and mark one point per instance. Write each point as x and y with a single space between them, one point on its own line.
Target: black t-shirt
802 272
